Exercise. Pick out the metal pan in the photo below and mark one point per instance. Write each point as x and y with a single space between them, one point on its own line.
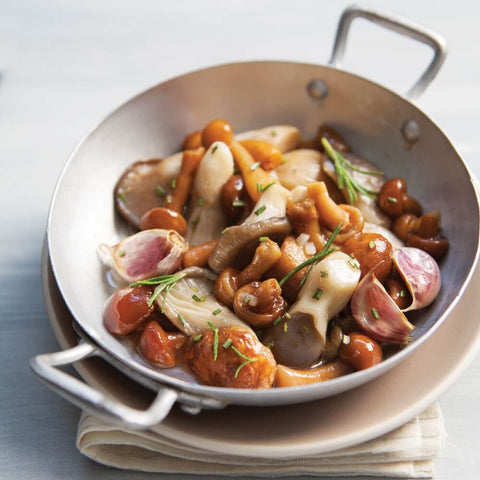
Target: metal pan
380 124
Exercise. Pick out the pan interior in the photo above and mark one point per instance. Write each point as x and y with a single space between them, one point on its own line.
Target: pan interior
252 95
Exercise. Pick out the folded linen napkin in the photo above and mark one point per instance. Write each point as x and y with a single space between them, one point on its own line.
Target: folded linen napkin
406 452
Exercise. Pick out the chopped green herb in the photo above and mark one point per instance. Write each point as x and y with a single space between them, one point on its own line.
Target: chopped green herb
263 239
270 344
317 294
261 188
371 244
260 210
215 340
121 253
305 328
313 260
224 230
254 166
164 282
277 320
122 196
236 171
227 343
323 273
273 133
168 199
344 178
285 327
354 264
375 313
201 202
182 321
217 311
199 299
159 191
247 299
173 183
284 160
392 200
246 362
287 315
196 221
238 203
214 149
402 293
197 337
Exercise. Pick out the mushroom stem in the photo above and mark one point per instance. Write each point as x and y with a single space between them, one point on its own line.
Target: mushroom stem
266 255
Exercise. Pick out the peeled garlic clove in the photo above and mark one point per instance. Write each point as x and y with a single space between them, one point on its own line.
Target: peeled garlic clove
146 254
377 314
421 274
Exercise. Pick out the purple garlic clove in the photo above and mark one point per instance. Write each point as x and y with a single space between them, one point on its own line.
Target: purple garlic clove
146 254
377 314
420 273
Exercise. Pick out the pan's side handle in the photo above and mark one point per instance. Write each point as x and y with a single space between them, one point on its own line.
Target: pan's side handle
399 25
94 401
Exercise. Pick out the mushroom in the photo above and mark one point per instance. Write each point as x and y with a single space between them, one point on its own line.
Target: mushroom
271 204
144 185
367 205
259 303
290 377
283 137
206 220
300 167
265 153
299 338
333 136
191 306
145 254
384 232
304 218
266 255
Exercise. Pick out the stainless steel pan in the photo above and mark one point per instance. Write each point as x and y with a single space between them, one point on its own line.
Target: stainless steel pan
380 124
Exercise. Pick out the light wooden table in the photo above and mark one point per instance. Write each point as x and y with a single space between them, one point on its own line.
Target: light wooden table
65 64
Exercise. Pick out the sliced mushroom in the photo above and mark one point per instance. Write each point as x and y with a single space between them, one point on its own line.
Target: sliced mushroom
191 306
207 220
283 137
271 204
144 185
370 210
146 254
299 339
300 167
237 244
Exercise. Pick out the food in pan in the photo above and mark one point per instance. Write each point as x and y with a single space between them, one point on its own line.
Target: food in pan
263 260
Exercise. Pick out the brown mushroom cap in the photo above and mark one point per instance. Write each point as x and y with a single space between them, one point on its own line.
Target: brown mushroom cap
136 191
237 244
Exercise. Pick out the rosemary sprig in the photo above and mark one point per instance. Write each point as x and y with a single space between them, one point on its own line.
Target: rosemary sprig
164 282
315 259
344 178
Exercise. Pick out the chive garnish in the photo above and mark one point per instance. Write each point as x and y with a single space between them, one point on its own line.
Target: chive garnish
238 203
324 274
260 210
199 299
402 293
313 260
375 313
227 343
121 253
285 327
122 196
201 202
224 230
215 340
284 160
197 337
247 299
261 188
392 200
217 311
214 149
344 178
254 166
263 239
196 221
159 191
246 362
317 294
273 133
354 264
287 315
173 183
168 198
182 321
164 282
277 320
371 244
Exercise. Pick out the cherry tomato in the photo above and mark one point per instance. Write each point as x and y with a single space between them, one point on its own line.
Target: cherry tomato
127 310
360 351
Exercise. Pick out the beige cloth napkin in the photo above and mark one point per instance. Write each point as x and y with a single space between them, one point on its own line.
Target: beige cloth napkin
406 452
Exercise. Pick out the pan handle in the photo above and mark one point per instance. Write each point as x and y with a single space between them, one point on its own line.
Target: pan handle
92 400
399 25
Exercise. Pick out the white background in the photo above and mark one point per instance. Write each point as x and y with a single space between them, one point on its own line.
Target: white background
65 64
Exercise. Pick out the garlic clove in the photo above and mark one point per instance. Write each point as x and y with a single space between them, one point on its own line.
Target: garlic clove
377 314
421 274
